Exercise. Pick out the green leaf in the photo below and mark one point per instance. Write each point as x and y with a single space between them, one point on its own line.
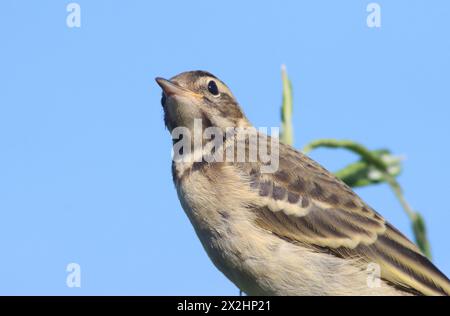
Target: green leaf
287 133
362 173
420 234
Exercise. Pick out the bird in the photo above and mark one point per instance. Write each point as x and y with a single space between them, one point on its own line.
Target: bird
292 231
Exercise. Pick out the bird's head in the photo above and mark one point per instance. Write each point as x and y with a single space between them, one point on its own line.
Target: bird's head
199 95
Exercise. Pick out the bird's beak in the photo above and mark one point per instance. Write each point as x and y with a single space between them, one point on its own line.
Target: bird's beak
171 89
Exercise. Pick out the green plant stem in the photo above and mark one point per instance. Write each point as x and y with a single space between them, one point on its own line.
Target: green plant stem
359 149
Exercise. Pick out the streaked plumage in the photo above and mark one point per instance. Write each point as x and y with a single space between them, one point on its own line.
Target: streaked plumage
298 231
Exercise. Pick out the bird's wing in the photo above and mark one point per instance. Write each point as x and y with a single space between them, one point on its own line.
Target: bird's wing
304 203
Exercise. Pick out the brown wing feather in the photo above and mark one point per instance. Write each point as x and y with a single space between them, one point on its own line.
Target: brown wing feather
304 203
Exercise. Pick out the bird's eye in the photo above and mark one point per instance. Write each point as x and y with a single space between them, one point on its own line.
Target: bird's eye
212 88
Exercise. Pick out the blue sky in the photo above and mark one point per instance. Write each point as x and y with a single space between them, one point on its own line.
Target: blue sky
85 158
